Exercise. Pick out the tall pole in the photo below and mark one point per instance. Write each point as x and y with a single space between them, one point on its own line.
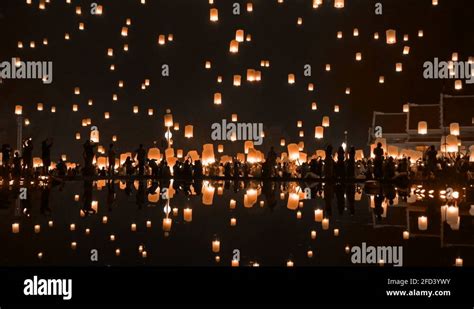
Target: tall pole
19 134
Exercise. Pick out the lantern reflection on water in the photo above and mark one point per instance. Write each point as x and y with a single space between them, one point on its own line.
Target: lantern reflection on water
207 194
167 222
188 214
318 215
293 199
422 223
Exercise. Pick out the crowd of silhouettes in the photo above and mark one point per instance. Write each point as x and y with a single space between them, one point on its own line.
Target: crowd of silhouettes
339 165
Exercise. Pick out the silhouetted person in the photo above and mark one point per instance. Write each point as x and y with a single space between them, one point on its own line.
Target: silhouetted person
197 172
389 170
88 155
350 164
227 170
46 154
431 155
340 165
6 155
141 158
187 169
154 168
128 165
61 168
378 161
111 158
329 164
272 160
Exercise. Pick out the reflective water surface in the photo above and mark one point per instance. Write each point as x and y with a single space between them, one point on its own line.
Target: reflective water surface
217 223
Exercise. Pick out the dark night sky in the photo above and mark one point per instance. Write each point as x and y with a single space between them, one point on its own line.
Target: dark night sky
189 90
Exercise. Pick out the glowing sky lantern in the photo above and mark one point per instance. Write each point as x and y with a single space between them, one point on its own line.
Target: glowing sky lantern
454 129
391 36
422 127
18 110
319 132
161 39
208 154
124 31
339 4
291 79
458 84
168 119
248 145
217 98
399 67
237 80
293 152
188 131
234 46
325 122
154 154
214 15
239 35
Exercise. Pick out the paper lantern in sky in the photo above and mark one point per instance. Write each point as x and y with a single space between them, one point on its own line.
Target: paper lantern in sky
124 31
188 131
168 120
239 35
319 132
248 145
95 136
237 80
18 110
234 46
391 36
399 67
454 129
214 15
293 152
422 127
208 154
325 122
291 79
339 4
217 98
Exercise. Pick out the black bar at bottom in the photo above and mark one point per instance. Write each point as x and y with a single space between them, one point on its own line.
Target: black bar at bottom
142 285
